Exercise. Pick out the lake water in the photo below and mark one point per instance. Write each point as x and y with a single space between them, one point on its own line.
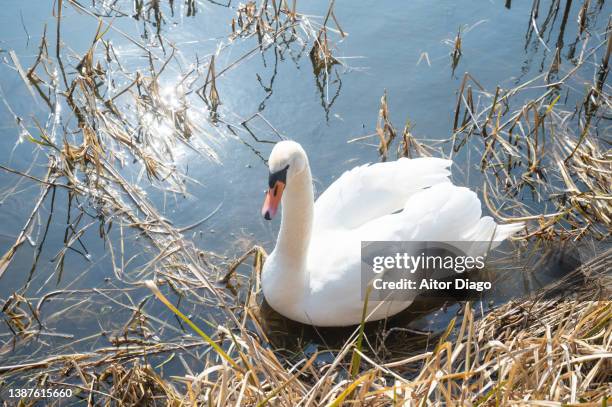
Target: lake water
397 46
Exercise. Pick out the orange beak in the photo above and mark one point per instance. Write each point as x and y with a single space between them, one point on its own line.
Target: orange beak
272 201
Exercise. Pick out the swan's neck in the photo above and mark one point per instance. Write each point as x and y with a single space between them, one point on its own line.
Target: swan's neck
296 221
285 279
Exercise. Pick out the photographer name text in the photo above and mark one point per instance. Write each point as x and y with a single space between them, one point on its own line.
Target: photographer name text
431 284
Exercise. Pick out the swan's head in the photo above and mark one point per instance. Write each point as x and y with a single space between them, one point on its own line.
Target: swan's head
287 160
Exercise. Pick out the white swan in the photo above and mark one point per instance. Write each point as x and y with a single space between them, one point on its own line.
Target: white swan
313 274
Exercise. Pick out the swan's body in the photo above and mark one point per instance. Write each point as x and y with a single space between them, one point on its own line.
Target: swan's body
313 274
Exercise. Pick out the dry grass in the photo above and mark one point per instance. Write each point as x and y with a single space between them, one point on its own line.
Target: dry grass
536 166
539 351
534 150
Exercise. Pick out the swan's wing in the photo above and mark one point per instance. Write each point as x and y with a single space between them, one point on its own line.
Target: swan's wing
444 212
441 213
371 191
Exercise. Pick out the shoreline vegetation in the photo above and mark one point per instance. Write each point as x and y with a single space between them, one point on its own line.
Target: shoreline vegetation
543 350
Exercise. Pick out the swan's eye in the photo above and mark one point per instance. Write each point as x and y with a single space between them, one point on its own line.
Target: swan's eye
278 176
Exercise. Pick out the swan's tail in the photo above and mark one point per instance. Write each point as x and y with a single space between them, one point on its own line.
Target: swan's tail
487 235
486 230
502 232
